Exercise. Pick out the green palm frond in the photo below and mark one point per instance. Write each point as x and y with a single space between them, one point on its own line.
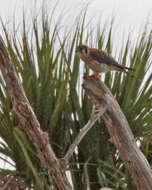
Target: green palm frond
51 75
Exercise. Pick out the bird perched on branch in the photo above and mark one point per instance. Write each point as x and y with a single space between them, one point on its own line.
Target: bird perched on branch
99 61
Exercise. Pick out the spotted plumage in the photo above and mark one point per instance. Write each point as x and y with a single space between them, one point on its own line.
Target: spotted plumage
99 61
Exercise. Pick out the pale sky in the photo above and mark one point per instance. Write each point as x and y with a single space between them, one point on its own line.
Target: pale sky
130 15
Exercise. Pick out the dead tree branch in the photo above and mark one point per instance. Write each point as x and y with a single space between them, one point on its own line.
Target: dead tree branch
121 133
96 114
27 117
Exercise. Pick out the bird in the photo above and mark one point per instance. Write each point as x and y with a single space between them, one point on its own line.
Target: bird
100 61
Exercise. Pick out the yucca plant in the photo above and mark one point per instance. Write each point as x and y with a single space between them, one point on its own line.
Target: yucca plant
51 75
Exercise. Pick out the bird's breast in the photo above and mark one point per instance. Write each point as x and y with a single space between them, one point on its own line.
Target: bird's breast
96 66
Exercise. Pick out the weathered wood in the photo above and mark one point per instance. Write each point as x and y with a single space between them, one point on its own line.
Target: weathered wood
96 114
27 117
121 133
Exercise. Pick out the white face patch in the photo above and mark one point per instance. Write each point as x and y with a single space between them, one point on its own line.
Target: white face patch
84 51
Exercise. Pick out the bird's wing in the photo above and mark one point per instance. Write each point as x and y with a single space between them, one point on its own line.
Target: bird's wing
103 58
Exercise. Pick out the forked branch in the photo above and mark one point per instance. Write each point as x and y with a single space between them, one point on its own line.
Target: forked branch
121 133
96 114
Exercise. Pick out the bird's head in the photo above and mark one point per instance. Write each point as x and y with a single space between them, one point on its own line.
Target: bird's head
82 50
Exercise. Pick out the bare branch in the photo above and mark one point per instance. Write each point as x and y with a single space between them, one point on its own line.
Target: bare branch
121 133
7 184
96 114
28 118
12 182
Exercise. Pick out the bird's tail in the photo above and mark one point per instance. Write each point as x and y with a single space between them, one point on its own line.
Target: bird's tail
131 69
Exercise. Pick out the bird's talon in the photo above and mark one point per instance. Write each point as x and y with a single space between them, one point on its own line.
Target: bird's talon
95 75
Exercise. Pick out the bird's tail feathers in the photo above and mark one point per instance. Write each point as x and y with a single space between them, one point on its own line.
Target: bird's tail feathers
131 69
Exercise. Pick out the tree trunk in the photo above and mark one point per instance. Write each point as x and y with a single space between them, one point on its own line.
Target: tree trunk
27 117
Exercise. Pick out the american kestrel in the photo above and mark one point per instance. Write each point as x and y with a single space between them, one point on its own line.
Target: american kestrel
99 61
